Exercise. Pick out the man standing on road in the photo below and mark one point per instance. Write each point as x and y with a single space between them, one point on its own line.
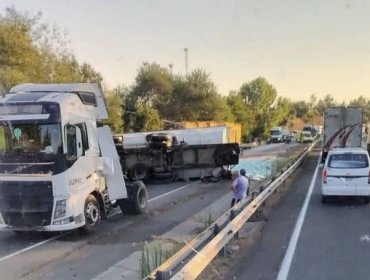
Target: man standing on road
243 173
238 186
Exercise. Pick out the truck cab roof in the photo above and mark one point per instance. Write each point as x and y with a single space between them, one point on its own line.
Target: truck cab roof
89 94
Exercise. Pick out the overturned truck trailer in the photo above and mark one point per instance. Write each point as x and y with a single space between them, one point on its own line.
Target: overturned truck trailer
176 154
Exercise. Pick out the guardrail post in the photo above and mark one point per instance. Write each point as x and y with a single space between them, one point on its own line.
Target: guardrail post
216 230
232 216
162 275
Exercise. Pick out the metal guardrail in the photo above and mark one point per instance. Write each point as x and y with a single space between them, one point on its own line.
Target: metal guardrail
195 256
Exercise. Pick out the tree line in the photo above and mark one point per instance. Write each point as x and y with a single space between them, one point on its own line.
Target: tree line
34 51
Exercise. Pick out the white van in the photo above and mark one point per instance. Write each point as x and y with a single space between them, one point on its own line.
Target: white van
346 172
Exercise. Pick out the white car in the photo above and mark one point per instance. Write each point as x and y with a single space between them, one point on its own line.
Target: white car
346 172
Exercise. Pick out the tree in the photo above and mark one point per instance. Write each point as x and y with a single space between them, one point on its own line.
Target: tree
283 112
301 108
114 100
17 52
324 103
141 117
194 98
260 96
365 104
89 75
153 84
31 51
242 114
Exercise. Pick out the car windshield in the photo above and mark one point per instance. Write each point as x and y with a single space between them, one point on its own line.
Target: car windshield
348 160
17 139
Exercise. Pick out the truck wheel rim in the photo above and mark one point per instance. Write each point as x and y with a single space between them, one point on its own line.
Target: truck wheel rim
140 172
92 213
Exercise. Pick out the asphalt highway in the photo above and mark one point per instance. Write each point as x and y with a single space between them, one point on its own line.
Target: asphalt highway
310 241
71 255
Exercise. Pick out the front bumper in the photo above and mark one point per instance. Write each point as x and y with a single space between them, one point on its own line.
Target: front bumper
63 227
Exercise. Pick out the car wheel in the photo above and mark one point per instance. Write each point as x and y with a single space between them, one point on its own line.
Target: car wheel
366 200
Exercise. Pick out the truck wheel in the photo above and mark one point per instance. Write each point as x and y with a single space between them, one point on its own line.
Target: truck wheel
92 214
137 199
324 199
139 172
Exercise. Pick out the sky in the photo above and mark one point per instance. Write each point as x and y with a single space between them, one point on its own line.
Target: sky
301 47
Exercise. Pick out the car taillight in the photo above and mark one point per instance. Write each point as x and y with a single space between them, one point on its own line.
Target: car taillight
325 176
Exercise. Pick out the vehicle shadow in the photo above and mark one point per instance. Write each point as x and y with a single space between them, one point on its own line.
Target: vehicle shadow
341 201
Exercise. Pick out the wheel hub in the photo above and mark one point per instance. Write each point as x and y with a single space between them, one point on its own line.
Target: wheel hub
92 213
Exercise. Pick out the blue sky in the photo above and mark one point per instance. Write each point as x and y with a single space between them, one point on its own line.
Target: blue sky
301 47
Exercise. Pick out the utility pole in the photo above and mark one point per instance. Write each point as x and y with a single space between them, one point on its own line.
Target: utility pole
170 66
186 61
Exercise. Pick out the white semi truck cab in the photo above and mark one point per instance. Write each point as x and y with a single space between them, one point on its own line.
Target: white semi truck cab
59 168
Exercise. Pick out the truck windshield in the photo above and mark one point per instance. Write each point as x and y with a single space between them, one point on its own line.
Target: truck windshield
275 132
29 139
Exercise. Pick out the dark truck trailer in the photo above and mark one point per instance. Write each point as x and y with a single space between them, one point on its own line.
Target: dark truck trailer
164 157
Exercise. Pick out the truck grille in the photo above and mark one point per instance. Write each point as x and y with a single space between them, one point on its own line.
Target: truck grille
26 204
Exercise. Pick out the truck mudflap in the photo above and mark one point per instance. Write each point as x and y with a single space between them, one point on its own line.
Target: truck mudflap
26 204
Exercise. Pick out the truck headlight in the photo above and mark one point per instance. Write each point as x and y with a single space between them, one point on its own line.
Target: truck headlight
60 209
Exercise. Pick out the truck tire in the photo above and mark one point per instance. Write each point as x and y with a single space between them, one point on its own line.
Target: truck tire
139 172
92 214
137 199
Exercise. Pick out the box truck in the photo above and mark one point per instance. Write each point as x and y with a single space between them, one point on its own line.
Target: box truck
342 128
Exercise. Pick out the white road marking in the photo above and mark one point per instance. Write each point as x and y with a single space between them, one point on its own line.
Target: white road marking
287 261
31 247
365 238
168 193
63 234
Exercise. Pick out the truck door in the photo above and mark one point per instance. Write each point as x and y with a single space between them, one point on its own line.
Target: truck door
111 165
353 120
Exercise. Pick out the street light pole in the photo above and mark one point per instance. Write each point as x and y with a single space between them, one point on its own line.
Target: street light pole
171 66
186 61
